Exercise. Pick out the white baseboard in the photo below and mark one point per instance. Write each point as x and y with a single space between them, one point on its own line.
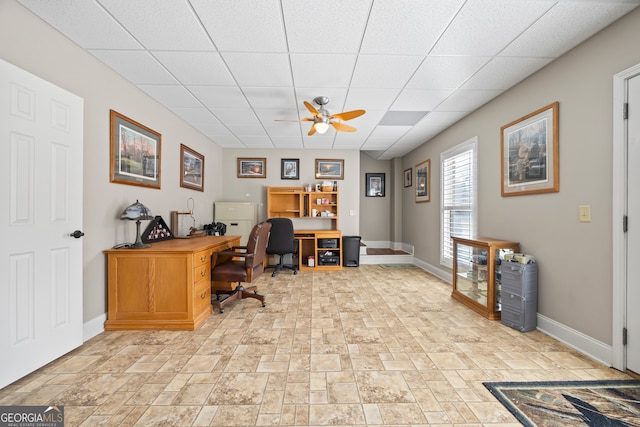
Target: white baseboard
93 327
577 340
436 271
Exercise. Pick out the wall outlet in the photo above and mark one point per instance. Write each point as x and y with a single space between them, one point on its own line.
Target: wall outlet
352 212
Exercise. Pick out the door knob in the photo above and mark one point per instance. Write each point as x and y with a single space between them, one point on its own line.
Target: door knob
77 234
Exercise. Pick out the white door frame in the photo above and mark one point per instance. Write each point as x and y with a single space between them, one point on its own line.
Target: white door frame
619 210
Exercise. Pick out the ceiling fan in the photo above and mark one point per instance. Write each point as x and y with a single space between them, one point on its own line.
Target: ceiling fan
322 119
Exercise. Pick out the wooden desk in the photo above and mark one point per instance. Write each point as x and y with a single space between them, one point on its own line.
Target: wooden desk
310 244
166 286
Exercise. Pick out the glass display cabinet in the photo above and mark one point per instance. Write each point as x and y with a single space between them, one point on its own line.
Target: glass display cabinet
477 274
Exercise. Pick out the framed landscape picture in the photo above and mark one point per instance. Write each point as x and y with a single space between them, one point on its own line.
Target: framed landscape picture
329 169
423 181
134 152
290 169
191 169
252 167
374 184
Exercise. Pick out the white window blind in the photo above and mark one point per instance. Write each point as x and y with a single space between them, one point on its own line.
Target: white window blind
458 190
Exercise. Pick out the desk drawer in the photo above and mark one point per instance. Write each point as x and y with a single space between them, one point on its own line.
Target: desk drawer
201 258
202 272
202 296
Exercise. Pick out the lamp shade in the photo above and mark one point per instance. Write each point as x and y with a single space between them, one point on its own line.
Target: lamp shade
137 211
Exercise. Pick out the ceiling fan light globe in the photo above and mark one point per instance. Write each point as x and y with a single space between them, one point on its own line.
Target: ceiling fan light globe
321 127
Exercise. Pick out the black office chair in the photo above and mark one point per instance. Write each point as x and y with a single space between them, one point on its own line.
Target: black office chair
282 242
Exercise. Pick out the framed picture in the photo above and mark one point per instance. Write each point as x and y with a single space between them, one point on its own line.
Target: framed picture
252 168
191 169
290 169
529 153
329 169
423 181
408 177
374 184
134 153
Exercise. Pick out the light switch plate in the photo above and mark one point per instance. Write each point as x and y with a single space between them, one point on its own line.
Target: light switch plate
585 213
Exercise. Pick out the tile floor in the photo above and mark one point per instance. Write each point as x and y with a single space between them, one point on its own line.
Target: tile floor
362 346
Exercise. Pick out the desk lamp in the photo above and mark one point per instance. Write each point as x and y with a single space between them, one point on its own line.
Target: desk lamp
137 212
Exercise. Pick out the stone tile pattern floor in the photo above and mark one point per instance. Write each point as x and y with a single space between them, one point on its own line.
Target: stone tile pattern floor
363 346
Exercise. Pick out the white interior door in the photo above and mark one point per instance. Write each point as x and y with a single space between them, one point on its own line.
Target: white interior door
633 235
41 129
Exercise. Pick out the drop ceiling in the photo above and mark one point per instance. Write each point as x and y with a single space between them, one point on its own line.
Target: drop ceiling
231 68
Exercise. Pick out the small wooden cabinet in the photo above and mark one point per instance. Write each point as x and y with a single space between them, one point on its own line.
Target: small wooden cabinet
294 202
477 273
166 286
325 246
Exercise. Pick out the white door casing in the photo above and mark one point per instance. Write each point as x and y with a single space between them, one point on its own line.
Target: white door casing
41 132
633 234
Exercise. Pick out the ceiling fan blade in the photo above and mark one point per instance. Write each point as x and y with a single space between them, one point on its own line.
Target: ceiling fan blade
342 127
304 119
311 108
348 115
312 131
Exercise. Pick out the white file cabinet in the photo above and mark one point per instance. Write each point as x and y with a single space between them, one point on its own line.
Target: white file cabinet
239 217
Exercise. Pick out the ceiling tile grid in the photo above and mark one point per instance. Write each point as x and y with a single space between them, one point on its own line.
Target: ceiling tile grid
240 70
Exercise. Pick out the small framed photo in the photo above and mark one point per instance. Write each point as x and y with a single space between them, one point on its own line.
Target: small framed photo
289 169
191 169
529 153
329 169
408 177
135 152
374 184
423 181
252 168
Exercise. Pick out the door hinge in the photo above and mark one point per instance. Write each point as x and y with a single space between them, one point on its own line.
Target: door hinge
625 223
625 111
624 336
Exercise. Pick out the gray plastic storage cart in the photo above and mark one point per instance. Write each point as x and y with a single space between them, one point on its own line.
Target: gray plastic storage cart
519 295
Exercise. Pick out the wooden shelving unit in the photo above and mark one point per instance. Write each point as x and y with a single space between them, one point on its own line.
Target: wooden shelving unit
295 202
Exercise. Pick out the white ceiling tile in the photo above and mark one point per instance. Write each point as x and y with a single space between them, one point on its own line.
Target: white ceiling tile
287 142
259 69
228 141
256 141
416 37
135 65
370 99
384 71
503 72
243 25
213 129
270 97
236 116
246 129
84 22
158 27
394 132
378 143
268 115
196 68
484 28
171 95
419 100
564 26
336 97
195 115
219 96
446 72
467 100
291 130
333 26
333 70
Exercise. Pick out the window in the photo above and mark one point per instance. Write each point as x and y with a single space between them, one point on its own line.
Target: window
458 210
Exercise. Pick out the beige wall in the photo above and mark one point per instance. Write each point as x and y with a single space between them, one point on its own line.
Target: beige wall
375 218
575 265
